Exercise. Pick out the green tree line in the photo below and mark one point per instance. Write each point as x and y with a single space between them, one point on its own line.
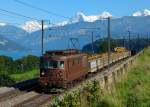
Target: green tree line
9 66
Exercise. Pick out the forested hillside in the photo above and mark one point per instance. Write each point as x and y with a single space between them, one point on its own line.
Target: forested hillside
101 45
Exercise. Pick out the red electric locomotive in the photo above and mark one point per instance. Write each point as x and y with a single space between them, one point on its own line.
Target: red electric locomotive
60 68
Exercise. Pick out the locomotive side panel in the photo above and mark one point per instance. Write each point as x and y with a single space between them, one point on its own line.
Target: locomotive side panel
76 68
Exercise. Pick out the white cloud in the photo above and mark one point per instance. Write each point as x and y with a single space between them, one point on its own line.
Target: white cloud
32 26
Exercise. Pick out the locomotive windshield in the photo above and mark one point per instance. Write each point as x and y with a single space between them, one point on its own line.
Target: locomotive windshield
53 64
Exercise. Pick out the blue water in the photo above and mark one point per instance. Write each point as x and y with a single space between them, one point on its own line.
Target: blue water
53 45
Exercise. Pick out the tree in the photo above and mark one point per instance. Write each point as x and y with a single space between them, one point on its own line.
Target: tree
103 46
5 80
27 63
6 65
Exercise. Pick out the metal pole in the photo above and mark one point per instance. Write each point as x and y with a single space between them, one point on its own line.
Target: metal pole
138 42
123 41
92 44
129 46
147 40
42 39
109 53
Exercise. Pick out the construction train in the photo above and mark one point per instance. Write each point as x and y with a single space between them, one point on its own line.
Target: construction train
61 68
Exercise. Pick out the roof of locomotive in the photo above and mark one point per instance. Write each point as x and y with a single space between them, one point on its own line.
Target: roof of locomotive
63 53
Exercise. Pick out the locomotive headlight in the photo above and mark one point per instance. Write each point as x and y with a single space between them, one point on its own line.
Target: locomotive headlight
42 73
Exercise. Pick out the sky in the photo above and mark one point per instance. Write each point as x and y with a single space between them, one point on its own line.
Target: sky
69 8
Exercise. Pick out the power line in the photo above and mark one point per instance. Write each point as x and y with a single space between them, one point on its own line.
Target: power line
6 14
43 10
9 23
12 16
17 14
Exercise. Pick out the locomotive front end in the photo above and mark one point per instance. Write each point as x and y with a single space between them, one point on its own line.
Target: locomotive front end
52 71
61 68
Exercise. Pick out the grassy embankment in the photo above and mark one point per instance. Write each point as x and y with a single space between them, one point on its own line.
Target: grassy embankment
10 79
24 75
132 91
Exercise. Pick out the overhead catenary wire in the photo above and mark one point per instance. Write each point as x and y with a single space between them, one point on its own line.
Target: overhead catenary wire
40 9
10 23
16 23
18 14
12 16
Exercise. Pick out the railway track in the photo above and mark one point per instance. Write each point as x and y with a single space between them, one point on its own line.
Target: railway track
17 99
26 94
23 94
11 94
35 101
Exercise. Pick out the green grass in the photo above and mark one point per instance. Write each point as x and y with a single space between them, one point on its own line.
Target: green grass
24 75
134 89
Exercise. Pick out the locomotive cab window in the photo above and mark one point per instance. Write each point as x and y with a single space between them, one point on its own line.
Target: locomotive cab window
45 64
53 64
61 65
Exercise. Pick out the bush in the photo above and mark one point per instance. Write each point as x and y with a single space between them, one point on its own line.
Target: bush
27 63
103 103
132 100
9 66
5 80
6 65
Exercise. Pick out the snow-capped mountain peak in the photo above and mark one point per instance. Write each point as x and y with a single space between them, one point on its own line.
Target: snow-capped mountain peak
91 18
3 42
138 13
31 26
2 24
81 17
145 12
105 15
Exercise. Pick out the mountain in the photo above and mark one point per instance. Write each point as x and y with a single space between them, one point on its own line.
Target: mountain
100 45
11 38
12 32
81 17
9 45
58 37
32 26
28 36
145 12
